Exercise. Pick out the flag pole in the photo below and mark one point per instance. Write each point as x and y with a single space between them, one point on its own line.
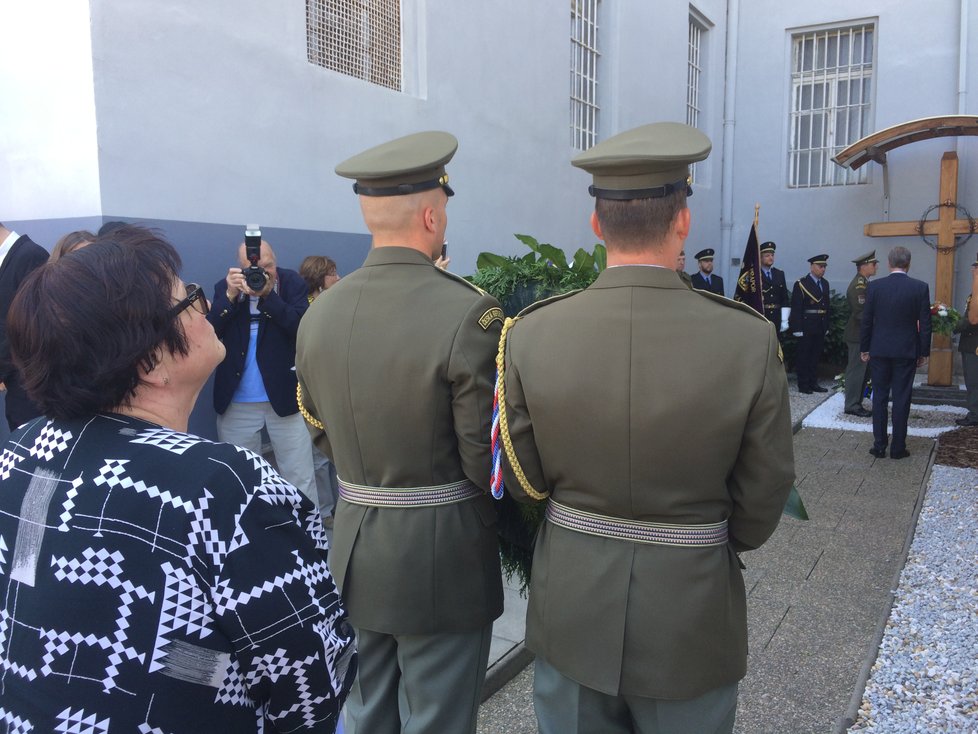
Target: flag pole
757 209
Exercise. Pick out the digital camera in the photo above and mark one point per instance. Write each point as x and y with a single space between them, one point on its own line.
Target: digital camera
255 277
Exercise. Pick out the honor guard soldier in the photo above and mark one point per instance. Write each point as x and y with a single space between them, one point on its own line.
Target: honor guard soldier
774 287
681 270
856 369
809 321
395 365
967 327
637 609
704 279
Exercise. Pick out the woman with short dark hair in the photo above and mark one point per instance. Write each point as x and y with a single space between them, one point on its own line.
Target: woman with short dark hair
154 580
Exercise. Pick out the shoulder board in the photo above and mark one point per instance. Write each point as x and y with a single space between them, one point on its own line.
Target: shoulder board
730 303
539 304
460 279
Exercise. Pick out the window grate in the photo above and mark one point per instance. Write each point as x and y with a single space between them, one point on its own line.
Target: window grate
831 103
584 73
359 38
694 70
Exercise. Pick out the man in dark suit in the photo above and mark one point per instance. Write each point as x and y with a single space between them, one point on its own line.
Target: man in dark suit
254 387
774 288
809 321
895 340
19 255
705 280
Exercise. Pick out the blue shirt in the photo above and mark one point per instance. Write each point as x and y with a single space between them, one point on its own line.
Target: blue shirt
251 389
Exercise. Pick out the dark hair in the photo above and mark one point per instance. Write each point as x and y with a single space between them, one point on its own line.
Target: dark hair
71 242
314 270
634 224
110 227
82 329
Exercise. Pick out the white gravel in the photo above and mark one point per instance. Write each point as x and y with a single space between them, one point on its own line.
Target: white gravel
928 421
926 675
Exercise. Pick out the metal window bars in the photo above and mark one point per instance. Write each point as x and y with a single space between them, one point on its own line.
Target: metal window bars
584 73
359 38
831 103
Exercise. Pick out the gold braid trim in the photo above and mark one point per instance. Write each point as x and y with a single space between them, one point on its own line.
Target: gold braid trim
305 413
504 422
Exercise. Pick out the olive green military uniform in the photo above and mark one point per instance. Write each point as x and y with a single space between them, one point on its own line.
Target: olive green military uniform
605 415
968 346
856 370
396 360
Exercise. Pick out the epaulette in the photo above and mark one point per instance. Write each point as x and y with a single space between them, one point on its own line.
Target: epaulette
731 303
460 279
552 299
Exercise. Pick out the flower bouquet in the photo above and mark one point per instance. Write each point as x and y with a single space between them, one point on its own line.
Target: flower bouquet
943 318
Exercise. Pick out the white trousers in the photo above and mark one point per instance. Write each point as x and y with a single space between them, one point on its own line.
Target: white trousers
241 425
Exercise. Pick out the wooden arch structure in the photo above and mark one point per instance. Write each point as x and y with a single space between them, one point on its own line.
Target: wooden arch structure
947 226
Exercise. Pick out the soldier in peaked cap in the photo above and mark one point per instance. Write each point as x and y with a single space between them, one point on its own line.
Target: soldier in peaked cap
774 287
856 369
704 279
635 628
967 327
395 365
809 321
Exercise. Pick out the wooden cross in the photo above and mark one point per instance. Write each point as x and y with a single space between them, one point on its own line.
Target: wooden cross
945 227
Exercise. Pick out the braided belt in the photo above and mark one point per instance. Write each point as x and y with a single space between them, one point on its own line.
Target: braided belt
690 536
443 494
771 306
816 310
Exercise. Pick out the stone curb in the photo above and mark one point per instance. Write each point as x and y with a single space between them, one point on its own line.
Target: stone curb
867 668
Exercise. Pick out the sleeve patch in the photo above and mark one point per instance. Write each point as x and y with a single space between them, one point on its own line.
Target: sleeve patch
493 314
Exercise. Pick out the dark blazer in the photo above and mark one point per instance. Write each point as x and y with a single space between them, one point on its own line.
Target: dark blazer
24 257
810 306
699 283
279 323
896 318
775 290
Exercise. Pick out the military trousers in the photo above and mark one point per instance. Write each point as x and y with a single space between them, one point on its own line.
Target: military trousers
564 706
969 364
857 372
807 354
418 684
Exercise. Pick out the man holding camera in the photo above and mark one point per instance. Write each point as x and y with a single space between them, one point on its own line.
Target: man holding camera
256 312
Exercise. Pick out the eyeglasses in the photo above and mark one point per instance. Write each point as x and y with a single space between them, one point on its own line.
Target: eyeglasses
195 297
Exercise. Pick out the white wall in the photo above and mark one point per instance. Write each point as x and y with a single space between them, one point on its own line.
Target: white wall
210 112
48 157
915 76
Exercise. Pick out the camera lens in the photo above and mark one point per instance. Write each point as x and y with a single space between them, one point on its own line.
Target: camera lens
255 278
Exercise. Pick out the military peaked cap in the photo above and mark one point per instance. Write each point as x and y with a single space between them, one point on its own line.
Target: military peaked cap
869 257
768 247
819 260
706 254
406 165
647 162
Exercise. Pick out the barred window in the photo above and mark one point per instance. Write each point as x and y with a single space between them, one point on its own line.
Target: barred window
584 73
360 38
831 103
694 71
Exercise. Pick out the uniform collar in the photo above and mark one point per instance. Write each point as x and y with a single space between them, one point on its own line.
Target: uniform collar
396 255
624 276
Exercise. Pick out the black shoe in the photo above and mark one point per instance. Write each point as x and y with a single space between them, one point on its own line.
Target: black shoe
819 388
861 412
966 422
878 453
804 391
899 454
